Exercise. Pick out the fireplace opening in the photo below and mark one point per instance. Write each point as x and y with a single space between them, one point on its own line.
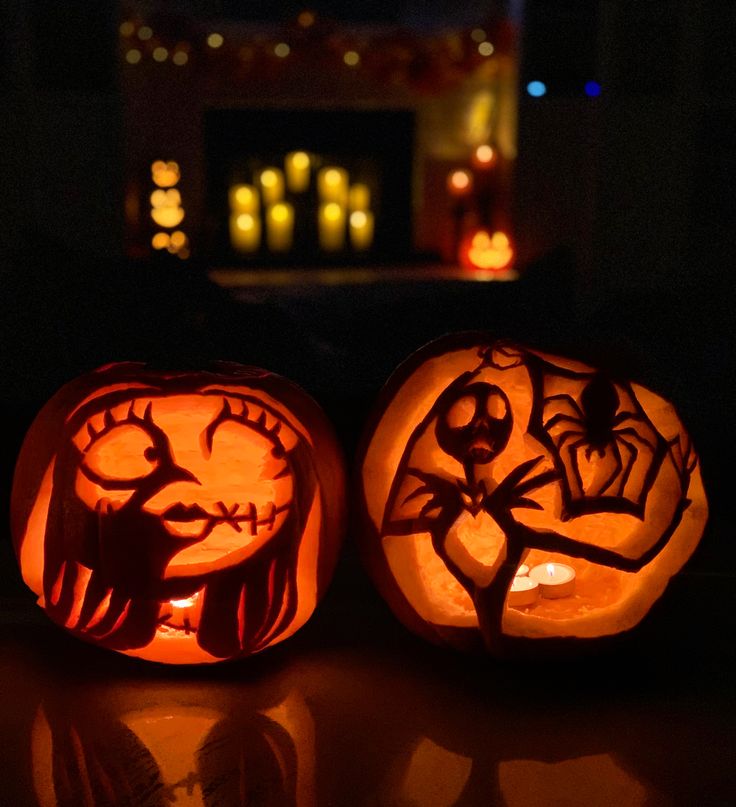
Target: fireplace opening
309 187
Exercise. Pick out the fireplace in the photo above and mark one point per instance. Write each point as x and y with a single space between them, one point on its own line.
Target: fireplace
350 201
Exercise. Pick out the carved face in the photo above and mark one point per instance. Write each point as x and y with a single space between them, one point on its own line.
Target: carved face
176 512
508 495
474 423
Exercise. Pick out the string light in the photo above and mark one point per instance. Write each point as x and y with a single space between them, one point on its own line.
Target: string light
351 58
215 40
282 50
536 89
306 19
144 33
485 49
180 58
477 35
160 54
133 56
592 89
126 28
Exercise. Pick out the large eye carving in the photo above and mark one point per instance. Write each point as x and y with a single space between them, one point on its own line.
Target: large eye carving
123 453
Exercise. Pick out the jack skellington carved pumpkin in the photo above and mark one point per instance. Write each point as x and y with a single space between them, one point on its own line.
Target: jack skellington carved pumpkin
182 517
507 496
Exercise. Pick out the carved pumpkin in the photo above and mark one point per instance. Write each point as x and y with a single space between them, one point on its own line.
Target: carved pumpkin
491 471
181 517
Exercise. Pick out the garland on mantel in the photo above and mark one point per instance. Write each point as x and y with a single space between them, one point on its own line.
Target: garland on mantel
426 63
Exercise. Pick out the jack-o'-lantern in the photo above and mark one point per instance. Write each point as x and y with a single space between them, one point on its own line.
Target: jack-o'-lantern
510 499
182 517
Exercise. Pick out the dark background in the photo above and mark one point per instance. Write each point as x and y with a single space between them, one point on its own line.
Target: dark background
624 205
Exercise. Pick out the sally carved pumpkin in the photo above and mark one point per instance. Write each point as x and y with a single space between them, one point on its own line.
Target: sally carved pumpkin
179 516
509 496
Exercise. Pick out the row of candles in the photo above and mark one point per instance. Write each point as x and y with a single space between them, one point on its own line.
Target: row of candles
344 209
551 581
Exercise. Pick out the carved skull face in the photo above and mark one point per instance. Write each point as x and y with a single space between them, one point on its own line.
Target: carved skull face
474 423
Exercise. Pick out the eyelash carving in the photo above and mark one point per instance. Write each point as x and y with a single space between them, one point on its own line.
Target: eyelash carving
256 424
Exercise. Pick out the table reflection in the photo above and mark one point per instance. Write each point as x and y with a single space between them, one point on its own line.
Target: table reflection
171 745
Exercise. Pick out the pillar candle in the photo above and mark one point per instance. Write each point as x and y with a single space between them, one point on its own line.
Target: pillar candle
332 184
280 227
331 226
297 165
245 232
361 229
272 185
244 199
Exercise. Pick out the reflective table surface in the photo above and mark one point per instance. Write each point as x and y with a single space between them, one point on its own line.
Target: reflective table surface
354 710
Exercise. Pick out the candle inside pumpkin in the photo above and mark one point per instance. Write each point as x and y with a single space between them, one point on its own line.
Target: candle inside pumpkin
523 591
556 580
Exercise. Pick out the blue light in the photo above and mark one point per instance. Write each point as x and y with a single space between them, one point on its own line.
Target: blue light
592 89
536 89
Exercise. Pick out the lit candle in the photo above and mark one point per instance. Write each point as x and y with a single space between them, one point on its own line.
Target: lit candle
332 184
459 182
555 580
361 229
297 164
359 196
244 199
245 232
331 226
523 591
279 227
272 185
484 156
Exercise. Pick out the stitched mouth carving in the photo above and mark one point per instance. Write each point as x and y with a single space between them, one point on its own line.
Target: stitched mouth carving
193 521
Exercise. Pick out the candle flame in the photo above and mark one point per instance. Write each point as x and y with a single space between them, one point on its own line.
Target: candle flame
186 603
551 569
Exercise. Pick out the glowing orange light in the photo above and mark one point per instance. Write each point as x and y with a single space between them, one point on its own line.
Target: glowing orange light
487 251
160 241
484 155
306 19
165 174
459 182
185 603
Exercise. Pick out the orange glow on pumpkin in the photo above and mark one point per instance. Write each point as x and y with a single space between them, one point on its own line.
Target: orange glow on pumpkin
486 455
205 522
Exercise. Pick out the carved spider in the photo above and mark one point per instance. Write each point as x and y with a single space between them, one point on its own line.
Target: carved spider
623 440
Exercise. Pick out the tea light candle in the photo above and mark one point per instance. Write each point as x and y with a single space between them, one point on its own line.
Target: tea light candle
272 185
555 580
361 229
332 183
245 232
244 199
297 164
331 226
279 227
523 591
